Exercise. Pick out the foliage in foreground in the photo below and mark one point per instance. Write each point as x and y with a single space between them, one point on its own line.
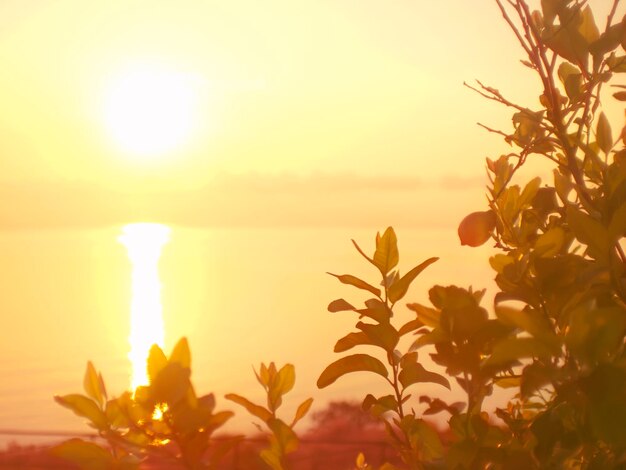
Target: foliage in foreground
166 422
556 335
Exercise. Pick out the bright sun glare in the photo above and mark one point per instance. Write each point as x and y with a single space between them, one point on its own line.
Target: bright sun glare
149 110
144 243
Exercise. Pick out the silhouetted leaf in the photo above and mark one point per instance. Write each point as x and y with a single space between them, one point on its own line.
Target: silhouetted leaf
170 385
302 410
256 410
86 455
181 353
356 282
283 382
376 310
85 407
428 316
409 326
383 334
413 372
603 134
339 305
351 340
550 242
156 362
285 436
386 255
512 349
590 232
399 288
531 321
348 364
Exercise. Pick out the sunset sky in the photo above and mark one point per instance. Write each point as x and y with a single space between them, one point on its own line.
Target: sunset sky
344 115
301 109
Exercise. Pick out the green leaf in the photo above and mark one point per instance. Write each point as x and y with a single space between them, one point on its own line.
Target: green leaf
512 349
85 407
181 354
603 134
86 455
386 256
156 362
356 282
255 410
399 288
339 305
302 410
383 335
93 385
413 372
349 364
351 340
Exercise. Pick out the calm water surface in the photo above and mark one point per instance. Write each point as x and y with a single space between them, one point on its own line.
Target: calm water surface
241 296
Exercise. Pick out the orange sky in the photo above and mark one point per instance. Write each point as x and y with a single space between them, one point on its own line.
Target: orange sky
313 93
345 114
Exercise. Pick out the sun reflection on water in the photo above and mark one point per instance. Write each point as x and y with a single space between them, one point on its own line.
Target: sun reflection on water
144 243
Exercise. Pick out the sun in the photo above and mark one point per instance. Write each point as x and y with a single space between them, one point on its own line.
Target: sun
149 110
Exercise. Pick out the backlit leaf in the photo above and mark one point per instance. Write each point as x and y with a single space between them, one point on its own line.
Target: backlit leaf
351 340
91 384
339 305
409 326
550 243
85 407
603 134
181 354
356 282
590 232
512 349
587 27
255 410
376 310
386 256
285 436
531 321
283 382
349 364
302 410
156 361
383 334
171 385
86 455
413 372
428 316
399 288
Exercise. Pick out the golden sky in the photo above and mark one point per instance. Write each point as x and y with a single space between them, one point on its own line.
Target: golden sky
352 99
